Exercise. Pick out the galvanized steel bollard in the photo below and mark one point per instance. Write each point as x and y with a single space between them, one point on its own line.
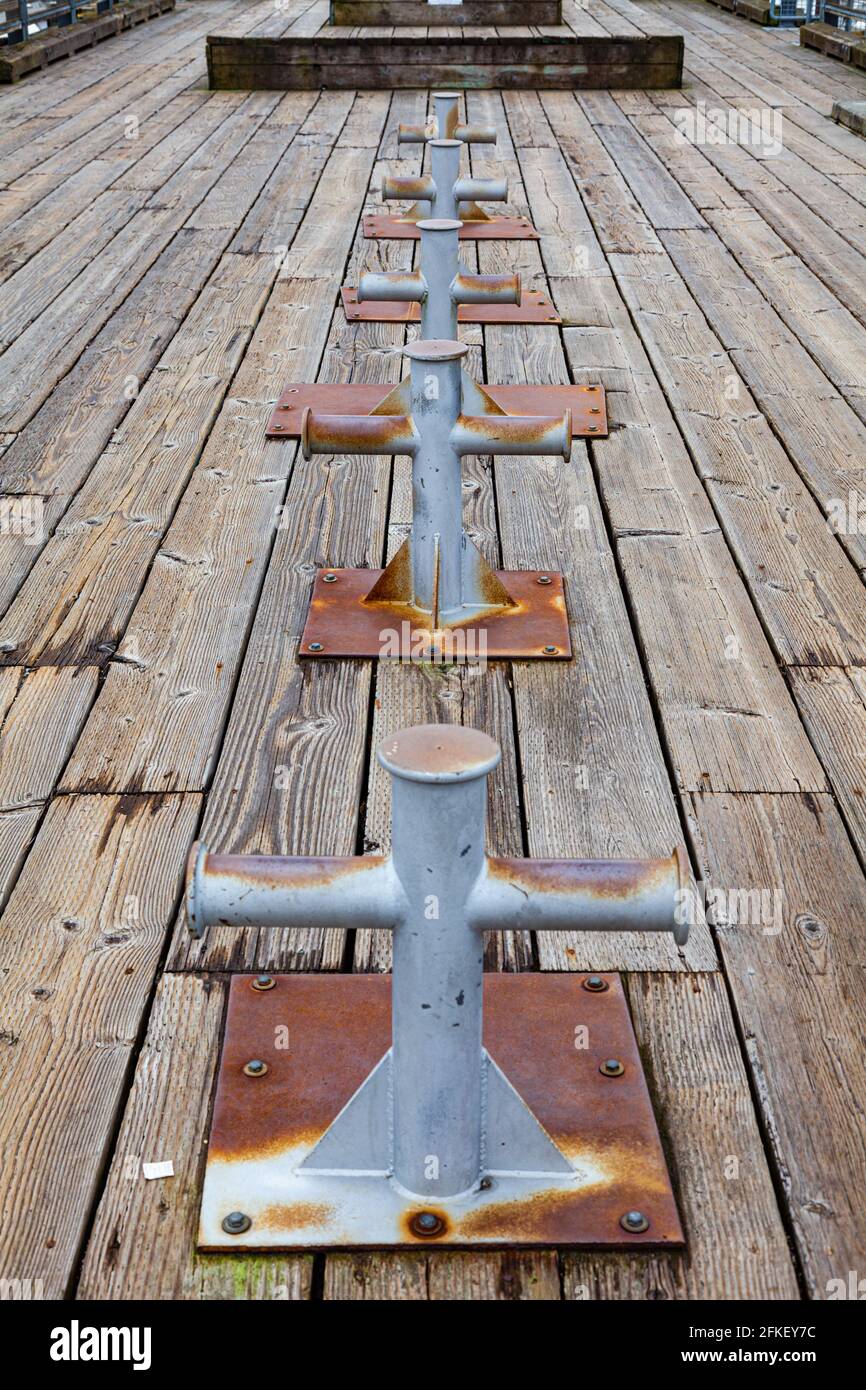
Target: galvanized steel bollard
436 1120
441 284
443 190
438 580
446 126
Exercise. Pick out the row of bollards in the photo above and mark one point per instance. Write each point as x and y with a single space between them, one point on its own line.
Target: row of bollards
459 1110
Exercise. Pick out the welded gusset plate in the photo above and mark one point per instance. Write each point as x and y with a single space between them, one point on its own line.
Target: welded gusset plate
534 307
320 1035
384 226
340 624
586 403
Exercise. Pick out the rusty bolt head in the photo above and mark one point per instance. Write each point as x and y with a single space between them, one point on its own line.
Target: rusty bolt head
263 982
236 1223
255 1068
612 1067
426 1224
595 984
634 1221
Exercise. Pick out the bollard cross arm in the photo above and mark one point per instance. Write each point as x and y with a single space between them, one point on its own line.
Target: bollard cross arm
357 434
513 434
420 188
408 134
240 890
468 190
405 286
501 288
645 895
259 890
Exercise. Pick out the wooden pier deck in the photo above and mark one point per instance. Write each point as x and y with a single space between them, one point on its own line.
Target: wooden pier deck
170 256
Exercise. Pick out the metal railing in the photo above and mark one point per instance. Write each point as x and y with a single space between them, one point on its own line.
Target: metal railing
847 15
23 19
790 12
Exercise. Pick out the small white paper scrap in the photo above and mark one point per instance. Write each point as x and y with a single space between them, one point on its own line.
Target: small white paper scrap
165 1169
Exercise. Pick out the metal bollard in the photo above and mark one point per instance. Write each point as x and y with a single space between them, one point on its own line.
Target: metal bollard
443 190
438 579
446 126
436 1119
441 284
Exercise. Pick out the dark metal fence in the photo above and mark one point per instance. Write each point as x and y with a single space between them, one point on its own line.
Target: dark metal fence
22 19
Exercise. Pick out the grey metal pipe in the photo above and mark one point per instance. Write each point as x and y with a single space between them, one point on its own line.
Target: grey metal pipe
582 894
407 286
438 848
356 434
513 434
251 890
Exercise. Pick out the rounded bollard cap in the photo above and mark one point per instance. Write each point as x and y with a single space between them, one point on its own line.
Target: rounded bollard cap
435 350
439 224
439 753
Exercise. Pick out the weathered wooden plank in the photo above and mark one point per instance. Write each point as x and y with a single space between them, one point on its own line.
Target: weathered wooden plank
85 305
74 605
143 1240
159 717
516 1275
817 318
793 955
728 438
17 829
736 1240
584 727
102 882
41 713
833 704
364 13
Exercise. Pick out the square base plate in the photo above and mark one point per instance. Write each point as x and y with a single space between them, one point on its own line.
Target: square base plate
534 307
343 625
338 1028
384 226
586 403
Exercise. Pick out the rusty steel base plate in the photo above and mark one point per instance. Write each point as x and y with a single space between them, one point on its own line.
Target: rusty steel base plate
385 226
320 1036
534 307
586 403
340 624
